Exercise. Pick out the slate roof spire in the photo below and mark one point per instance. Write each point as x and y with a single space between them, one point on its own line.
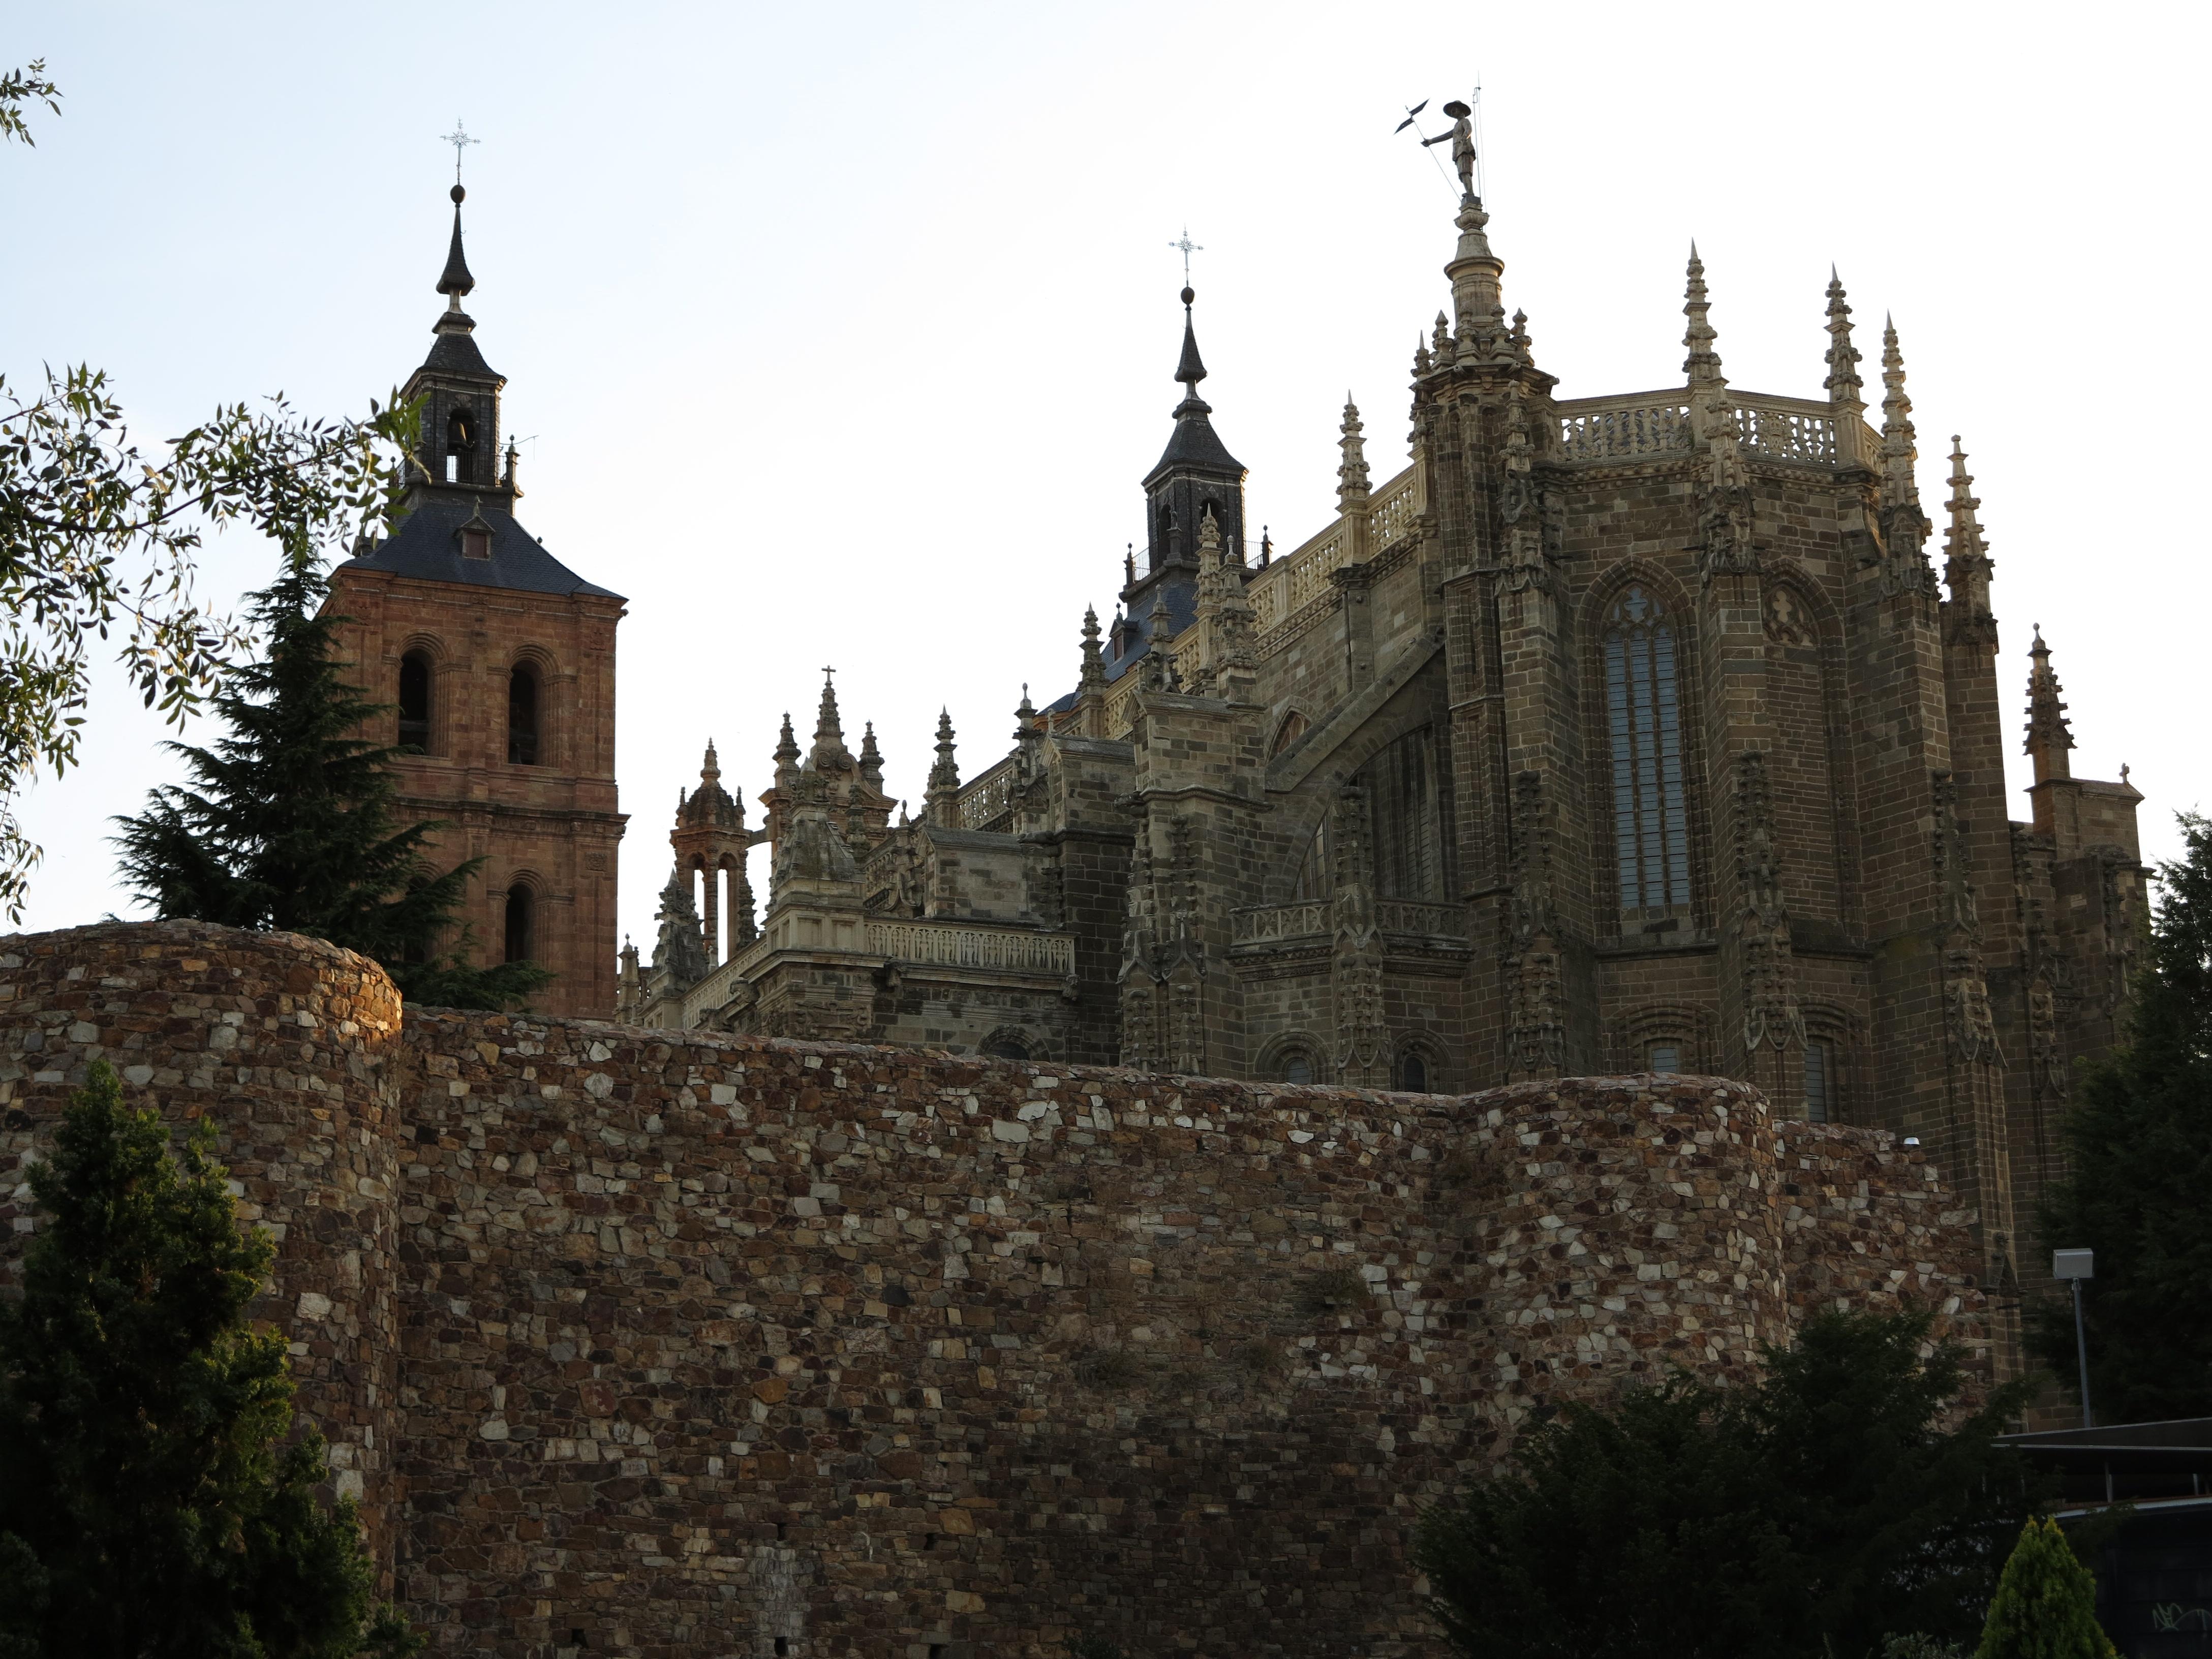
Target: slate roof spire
455 280
1192 368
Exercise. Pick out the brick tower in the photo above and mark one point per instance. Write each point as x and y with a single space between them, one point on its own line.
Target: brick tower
500 663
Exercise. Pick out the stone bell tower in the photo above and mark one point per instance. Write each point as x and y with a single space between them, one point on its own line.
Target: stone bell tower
499 662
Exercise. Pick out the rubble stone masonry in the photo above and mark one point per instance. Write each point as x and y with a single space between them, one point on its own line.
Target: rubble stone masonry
656 1344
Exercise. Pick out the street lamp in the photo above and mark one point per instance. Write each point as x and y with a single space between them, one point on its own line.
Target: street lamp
2073 1267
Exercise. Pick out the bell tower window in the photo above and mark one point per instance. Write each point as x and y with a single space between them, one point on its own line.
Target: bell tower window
521 945
415 702
522 715
1643 701
460 447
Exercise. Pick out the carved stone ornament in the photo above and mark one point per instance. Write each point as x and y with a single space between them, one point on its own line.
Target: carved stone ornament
1771 1014
1534 983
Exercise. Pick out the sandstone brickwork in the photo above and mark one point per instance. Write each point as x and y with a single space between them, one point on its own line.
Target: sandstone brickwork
661 1343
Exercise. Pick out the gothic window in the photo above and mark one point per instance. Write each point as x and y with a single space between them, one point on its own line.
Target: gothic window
1292 728
1821 1082
1650 814
460 447
521 941
415 701
1663 1057
1413 1071
1316 873
522 716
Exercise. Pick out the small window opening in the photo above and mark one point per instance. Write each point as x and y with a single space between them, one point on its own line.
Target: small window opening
522 716
415 701
1663 1057
576 1638
476 543
1007 1048
1820 1082
937 1650
929 1540
782 1644
520 947
1297 1067
781 1531
1413 1072
460 448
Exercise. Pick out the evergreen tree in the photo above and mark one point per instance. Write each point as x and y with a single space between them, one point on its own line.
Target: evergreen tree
1807 1514
2045 1606
291 824
2139 1188
147 1508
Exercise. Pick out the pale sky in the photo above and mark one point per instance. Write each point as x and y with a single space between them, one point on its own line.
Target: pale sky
843 335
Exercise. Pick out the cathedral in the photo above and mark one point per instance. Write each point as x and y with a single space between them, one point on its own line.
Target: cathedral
1613 734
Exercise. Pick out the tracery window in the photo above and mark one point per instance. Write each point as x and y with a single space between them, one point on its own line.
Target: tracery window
1643 701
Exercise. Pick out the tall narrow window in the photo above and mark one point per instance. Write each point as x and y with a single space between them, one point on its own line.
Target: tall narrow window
1650 817
522 716
1413 1072
1820 1082
415 701
521 945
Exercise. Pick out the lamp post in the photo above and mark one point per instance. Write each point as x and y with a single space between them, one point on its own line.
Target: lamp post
2073 1267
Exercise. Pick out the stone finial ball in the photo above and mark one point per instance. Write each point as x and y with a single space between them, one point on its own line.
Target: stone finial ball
1188 294
457 193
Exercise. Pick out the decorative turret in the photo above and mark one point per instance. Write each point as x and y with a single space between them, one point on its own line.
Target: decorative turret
787 755
829 753
459 449
1478 299
872 759
1194 473
681 950
943 807
1967 566
2049 736
710 838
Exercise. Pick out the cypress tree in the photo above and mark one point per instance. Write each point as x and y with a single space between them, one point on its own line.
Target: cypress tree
2138 1189
2045 1606
148 1507
291 822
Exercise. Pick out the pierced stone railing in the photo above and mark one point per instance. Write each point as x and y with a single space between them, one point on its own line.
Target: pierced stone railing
1419 916
958 944
1300 576
1304 920
1640 423
1789 428
989 797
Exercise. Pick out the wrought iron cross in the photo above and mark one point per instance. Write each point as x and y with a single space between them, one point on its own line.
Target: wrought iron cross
460 139
1188 247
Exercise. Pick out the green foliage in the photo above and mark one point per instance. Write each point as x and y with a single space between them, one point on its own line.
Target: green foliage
1919 1645
292 824
2138 1190
2045 1606
98 539
147 1507
1809 1514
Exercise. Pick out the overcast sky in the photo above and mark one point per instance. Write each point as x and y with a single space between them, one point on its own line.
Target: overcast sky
843 335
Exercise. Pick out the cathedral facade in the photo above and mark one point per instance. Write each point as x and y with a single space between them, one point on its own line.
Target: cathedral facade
1613 734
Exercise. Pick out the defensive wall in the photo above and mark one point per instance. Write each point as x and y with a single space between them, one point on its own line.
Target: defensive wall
639 1343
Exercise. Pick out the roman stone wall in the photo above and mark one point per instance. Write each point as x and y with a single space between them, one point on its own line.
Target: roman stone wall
723 1345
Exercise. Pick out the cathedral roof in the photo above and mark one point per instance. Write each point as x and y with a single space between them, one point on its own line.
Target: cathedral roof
426 545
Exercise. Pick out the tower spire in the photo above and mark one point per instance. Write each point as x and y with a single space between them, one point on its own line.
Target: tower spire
829 734
1191 368
455 281
944 797
1967 565
1846 392
2049 736
1702 365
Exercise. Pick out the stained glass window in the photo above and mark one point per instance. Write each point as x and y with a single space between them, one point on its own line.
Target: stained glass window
1651 816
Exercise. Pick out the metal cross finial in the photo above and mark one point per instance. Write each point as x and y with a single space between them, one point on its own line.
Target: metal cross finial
1188 247
827 672
460 139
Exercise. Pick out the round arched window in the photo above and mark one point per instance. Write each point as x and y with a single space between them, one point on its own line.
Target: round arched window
522 924
522 715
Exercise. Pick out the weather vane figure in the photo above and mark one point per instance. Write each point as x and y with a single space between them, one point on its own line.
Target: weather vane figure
460 139
1462 143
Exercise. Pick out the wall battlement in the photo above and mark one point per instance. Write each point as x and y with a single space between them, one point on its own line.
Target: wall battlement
648 1343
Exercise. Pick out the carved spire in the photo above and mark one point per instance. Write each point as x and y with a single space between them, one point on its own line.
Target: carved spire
1899 452
1352 483
787 755
710 770
1093 678
1967 566
829 734
2049 736
454 281
943 807
871 758
1702 365
1844 386
1159 659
